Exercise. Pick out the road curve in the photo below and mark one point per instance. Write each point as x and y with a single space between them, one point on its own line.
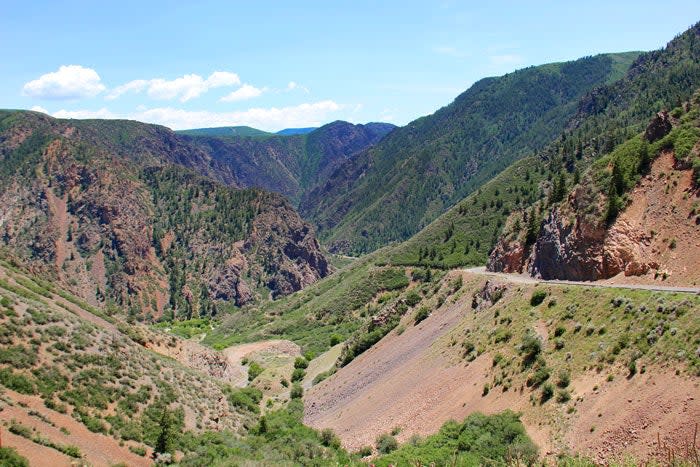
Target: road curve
525 279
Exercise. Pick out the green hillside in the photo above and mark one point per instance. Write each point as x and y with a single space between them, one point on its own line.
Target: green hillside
240 131
391 191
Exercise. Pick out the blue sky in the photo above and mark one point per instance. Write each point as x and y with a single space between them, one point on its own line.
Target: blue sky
274 65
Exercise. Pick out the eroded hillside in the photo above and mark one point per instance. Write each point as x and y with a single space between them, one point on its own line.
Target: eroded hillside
600 372
111 211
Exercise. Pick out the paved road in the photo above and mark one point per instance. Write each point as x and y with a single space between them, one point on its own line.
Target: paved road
525 279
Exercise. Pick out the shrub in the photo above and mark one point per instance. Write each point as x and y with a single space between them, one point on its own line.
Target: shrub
298 374
547 392
138 450
300 362
412 298
297 392
538 377
330 439
16 382
421 314
336 339
245 398
531 348
365 451
537 297
386 443
564 379
563 396
10 458
254 370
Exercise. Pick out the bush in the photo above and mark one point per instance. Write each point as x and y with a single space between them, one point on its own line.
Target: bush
336 339
245 398
421 314
538 377
412 298
563 396
386 443
297 392
300 362
10 458
530 348
365 451
16 381
547 392
254 370
538 297
298 374
564 379
330 439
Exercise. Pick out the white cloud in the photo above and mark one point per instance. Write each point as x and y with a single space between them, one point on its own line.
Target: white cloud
244 92
81 114
38 108
293 85
303 115
183 88
506 59
69 82
136 85
450 51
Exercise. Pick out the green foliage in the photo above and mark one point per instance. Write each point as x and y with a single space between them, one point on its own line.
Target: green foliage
475 222
16 381
494 123
254 370
166 436
499 438
10 458
297 391
530 348
386 443
298 375
422 313
283 440
310 317
301 362
245 398
538 297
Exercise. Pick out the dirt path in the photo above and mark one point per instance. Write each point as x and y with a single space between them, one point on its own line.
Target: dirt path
610 283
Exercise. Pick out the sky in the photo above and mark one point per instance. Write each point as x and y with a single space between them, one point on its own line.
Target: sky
275 65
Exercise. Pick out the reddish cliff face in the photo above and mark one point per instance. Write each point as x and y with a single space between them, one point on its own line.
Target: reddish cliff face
656 236
139 229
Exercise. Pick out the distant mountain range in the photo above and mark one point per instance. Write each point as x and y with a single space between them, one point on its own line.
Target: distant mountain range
243 131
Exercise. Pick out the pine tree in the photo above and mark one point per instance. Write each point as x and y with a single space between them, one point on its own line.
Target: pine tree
165 441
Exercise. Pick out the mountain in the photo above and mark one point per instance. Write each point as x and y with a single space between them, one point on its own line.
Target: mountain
116 211
296 131
242 131
82 386
467 233
290 164
609 216
390 191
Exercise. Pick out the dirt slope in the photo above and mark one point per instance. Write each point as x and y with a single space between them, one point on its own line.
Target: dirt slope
419 379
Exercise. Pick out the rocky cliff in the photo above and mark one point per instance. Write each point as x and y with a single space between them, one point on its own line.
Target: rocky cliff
111 210
603 229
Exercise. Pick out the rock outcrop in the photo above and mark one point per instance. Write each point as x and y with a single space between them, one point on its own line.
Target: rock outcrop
125 220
